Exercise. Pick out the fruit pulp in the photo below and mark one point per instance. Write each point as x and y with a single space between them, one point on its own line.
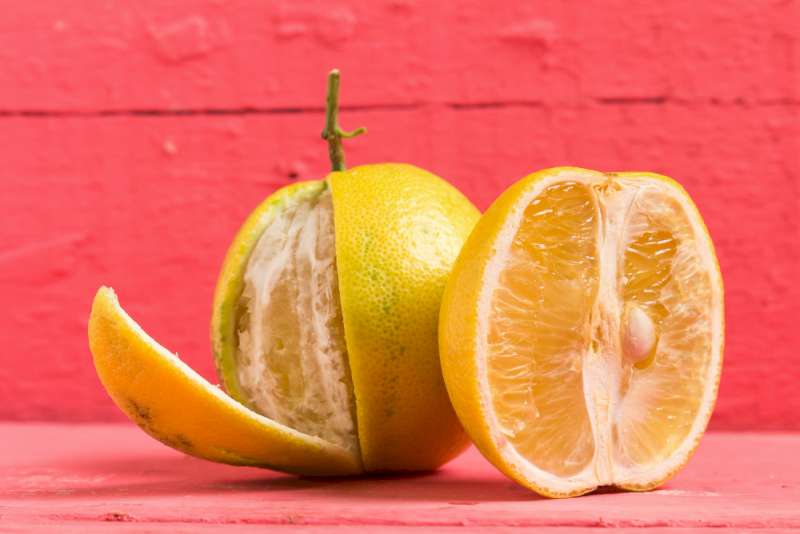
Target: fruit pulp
599 338
291 357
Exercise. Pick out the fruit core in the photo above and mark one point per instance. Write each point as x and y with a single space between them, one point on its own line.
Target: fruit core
291 358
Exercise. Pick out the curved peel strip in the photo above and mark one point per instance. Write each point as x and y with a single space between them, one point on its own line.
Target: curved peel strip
177 406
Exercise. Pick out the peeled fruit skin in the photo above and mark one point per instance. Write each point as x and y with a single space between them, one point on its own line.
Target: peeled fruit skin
175 405
398 230
459 333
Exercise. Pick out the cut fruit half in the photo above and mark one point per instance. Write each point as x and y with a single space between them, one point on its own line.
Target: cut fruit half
582 328
178 407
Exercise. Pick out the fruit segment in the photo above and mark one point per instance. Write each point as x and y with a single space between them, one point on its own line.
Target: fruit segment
663 276
291 358
538 330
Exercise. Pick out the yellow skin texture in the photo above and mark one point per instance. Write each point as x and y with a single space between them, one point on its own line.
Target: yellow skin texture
458 326
398 231
175 405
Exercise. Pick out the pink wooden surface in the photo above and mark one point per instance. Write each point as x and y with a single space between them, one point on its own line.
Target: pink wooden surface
85 476
138 135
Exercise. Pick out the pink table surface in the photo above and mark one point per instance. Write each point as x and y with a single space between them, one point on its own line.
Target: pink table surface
86 478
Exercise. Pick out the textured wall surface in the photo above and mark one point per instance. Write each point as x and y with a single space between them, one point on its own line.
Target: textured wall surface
136 136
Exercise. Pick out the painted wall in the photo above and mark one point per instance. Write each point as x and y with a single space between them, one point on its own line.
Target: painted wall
136 136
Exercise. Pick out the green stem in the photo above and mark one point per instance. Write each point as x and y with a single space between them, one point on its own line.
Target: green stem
332 133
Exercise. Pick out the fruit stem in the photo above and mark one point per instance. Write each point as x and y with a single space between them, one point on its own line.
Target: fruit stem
333 133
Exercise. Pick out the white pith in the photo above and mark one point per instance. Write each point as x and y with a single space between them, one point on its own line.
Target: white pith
291 359
601 369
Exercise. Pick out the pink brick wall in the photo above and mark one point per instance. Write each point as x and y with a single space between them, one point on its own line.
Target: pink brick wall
136 136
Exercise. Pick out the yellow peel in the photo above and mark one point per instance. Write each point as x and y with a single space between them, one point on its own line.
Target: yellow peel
178 407
399 229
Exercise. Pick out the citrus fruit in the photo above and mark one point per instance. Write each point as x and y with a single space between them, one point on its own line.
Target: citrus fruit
581 331
324 329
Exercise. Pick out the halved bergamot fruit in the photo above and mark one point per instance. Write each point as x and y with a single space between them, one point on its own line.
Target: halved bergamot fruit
582 328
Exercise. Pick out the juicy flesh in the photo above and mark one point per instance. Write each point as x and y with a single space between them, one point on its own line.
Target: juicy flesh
291 361
662 275
539 334
599 338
